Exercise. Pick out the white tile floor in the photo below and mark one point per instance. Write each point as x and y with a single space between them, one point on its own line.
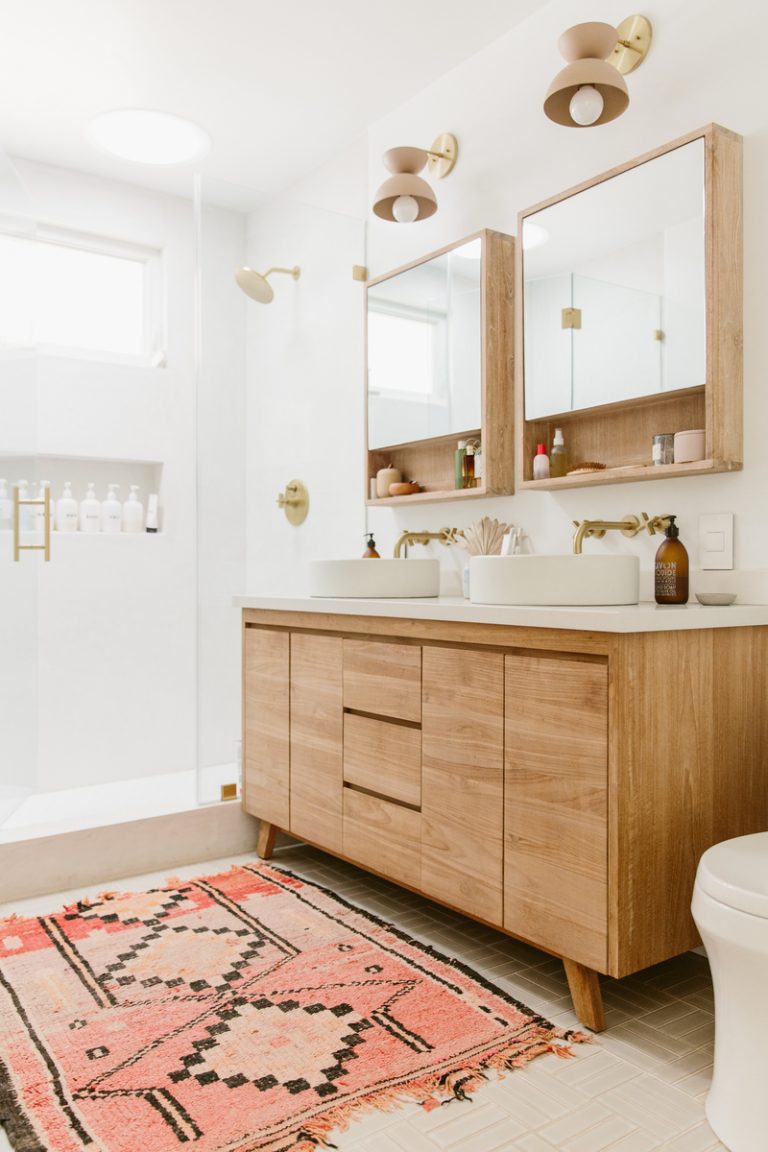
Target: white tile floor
639 1086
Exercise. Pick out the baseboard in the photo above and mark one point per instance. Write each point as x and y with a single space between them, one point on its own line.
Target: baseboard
92 855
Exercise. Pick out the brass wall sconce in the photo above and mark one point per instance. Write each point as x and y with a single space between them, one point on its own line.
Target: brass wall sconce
591 90
405 197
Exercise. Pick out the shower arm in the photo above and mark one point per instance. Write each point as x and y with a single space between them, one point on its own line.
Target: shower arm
295 271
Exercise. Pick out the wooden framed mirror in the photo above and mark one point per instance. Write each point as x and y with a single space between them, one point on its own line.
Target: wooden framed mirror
439 368
629 314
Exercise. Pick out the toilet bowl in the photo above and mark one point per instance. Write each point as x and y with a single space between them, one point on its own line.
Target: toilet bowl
730 907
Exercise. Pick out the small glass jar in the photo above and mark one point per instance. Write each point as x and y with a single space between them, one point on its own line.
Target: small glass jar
663 449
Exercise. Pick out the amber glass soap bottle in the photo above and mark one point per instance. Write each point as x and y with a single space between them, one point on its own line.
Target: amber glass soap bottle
671 569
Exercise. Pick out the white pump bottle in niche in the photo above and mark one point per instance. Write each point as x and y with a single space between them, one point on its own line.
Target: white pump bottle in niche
38 513
25 519
112 512
90 511
6 506
133 512
66 510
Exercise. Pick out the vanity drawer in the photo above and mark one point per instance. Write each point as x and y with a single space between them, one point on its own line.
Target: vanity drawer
383 679
383 836
383 757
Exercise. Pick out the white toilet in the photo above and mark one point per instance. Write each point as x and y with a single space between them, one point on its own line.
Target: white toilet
730 907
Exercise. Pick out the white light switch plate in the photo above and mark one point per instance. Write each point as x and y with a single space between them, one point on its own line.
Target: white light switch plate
716 540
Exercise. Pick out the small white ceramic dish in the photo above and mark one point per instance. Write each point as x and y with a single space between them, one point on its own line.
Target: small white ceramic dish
716 598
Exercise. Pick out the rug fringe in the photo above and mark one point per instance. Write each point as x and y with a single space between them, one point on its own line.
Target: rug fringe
434 1090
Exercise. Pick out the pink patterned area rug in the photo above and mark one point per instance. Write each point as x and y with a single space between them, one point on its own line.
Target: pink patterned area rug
241 1012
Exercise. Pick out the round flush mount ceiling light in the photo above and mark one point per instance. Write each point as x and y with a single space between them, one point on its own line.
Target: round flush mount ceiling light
148 137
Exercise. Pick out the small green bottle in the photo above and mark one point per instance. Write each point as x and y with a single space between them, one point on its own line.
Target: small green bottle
458 464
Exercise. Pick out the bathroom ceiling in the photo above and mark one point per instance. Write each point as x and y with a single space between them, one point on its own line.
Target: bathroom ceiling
280 85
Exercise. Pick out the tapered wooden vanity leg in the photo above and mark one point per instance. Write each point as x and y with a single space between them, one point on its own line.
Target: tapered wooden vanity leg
265 843
584 985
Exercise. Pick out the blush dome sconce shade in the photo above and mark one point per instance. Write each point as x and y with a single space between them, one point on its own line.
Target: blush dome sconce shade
591 89
405 197
256 284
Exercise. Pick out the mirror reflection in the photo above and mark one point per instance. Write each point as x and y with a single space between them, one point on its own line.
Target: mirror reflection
614 288
424 349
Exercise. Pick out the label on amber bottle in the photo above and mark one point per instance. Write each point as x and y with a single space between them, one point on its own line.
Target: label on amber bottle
666 578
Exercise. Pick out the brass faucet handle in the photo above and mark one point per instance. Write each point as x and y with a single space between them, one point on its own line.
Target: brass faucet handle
655 524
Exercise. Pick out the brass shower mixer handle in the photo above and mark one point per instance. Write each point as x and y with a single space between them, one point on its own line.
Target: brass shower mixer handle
294 501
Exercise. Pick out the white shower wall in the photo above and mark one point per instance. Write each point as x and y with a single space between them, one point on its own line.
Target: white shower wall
305 394
115 641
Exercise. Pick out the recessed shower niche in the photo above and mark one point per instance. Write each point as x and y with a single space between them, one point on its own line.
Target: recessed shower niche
79 472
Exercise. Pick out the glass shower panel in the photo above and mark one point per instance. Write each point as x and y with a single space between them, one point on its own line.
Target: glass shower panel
18 454
220 493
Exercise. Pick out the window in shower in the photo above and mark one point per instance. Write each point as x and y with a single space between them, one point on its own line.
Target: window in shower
71 294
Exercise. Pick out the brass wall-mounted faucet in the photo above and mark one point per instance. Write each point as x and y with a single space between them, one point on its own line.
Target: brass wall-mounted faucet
629 526
444 536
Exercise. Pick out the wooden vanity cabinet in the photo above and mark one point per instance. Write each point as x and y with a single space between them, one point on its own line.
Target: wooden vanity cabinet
556 805
559 785
266 724
462 814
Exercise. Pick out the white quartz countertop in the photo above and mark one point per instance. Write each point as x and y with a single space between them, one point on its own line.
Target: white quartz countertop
632 618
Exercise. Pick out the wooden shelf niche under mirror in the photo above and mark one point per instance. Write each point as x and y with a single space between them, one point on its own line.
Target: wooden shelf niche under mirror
567 285
456 309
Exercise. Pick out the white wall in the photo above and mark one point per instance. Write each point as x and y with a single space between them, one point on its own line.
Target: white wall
118 617
510 157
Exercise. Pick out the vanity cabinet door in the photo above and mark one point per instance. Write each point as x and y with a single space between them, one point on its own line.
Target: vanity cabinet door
463 779
556 805
266 755
317 734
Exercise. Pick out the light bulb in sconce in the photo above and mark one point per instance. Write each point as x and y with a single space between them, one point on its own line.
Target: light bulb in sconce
586 106
405 209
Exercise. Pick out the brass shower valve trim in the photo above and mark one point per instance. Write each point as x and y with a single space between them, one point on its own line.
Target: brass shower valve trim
295 502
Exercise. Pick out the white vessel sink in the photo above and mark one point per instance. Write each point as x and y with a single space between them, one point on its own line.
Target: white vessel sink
554 580
376 579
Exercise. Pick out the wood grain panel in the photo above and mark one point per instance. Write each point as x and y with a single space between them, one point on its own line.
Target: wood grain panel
382 836
556 805
266 737
688 768
462 779
317 725
383 757
383 678
455 632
